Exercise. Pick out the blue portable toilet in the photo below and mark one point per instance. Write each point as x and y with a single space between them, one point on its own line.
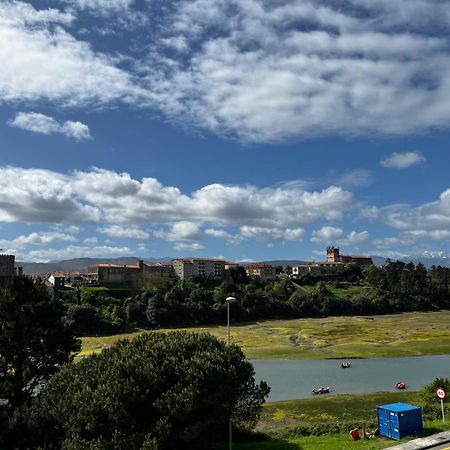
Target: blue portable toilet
397 420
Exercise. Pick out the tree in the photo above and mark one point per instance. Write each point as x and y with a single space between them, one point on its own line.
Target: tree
429 401
34 339
160 390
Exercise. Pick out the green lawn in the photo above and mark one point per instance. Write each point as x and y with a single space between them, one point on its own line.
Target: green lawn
407 334
281 420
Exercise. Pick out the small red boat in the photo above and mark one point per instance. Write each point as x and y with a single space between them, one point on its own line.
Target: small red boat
321 390
400 385
346 364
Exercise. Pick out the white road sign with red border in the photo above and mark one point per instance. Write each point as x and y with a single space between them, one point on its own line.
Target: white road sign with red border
441 393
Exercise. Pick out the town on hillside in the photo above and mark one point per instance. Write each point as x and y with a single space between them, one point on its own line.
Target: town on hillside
107 274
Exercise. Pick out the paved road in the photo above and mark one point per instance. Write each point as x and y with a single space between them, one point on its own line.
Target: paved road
441 447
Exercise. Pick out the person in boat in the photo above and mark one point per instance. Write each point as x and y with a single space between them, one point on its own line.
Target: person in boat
345 364
400 385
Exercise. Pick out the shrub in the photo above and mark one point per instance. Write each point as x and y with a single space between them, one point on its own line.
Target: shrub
167 390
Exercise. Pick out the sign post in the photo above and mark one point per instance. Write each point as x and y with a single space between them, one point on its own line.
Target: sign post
442 394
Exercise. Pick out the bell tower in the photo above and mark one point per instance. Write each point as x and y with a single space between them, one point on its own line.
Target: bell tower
333 254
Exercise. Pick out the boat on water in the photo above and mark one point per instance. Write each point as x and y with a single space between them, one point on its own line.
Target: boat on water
321 390
400 385
346 364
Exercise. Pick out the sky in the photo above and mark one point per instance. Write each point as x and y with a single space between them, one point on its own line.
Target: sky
247 130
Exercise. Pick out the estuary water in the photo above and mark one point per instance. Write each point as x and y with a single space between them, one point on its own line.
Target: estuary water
294 379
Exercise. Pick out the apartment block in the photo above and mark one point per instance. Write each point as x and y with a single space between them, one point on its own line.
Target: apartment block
261 270
198 267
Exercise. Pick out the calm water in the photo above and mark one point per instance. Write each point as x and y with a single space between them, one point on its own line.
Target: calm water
295 379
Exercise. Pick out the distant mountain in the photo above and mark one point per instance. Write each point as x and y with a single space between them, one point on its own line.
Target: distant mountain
79 264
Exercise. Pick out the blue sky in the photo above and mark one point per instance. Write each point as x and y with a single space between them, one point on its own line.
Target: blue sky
246 129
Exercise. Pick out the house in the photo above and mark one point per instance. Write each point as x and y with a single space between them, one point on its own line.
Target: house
57 280
113 273
261 270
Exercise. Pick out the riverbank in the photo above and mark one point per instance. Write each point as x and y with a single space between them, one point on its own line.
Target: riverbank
406 334
283 423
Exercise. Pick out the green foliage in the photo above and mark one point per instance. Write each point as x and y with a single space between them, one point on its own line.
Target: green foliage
431 405
34 339
159 391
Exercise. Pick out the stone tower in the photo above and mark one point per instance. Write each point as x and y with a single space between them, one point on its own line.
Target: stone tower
333 255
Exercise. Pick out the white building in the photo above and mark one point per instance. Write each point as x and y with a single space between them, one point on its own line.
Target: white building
198 267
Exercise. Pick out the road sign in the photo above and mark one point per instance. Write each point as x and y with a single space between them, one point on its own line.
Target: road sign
441 393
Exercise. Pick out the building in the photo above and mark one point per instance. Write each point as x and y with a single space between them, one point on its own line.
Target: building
7 269
316 268
261 270
157 268
334 261
333 256
113 273
198 267
57 280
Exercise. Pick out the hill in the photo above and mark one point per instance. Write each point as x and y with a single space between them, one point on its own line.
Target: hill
79 264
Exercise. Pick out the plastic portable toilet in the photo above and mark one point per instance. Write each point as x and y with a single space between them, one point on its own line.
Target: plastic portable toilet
397 420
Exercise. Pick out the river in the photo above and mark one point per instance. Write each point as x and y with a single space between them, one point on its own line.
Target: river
294 379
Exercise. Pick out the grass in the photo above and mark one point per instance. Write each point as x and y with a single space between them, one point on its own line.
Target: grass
406 334
357 409
280 419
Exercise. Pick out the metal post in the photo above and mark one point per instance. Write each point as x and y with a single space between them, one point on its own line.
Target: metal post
230 428
228 323
442 407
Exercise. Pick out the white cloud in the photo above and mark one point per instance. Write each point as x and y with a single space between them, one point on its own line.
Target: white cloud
403 160
58 254
38 238
40 123
271 235
410 238
429 216
335 235
91 240
327 235
222 234
182 231
268 71
36 195
184 246
42 61
121 232
255 70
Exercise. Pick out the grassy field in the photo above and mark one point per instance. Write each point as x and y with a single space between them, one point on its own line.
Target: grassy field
407 334
280 418
334 441
357 408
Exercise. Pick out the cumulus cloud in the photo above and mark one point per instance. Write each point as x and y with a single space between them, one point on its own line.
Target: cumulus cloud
40 123
429 216
268 71
73 251
271 235
42 61
256 70
36 195
38 238
185 246
403 160
335 235
121 232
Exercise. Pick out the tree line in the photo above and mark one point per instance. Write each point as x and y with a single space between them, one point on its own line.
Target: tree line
162 303
159 391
